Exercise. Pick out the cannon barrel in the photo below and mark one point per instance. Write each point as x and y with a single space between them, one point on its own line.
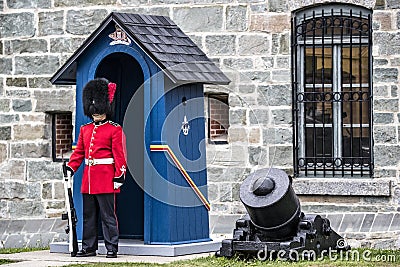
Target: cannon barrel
271 203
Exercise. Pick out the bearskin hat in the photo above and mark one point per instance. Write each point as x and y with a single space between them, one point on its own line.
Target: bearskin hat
98 96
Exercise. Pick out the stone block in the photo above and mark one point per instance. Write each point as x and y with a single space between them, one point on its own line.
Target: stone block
39 82
5 105
47 190
255 77
388 105
392 4
4 226
277 136
267 62
280 75
81 22
20 24
54 100
74 3
382 222
388 45
33 191
342 187
21 105
335 219
385 134
253 45
28 4
212 192
16 82
275 95
16 226
49 225
30 150
281 116
3 152
380 61
246 88
383 118
18 93
237 116
30 132
236 192
277 6
394 91
236 18
44 171
51 23
386 75
351 222
25 46
258 156
255 136
225 192
134 2
283 62
237 134
380 90
4 210
31 65
259 116
384 20
65 45
202 19
58 225
223 224
15 241
5 133
270 23
5 65
229 156
395 225
12 190
220 45
12 169
8 118
280 156
40 240
386 155
25 208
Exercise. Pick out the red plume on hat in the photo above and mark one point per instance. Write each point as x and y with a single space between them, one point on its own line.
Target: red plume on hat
112 87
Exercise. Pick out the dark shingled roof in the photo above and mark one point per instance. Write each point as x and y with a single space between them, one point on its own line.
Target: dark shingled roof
163 41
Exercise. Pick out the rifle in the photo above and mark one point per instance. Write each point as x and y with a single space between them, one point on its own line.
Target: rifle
71 212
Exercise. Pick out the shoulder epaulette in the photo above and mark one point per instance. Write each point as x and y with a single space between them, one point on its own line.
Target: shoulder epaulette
114 123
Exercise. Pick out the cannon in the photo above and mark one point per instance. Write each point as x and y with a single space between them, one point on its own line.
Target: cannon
274 226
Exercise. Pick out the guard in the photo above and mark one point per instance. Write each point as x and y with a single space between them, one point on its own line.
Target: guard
101 146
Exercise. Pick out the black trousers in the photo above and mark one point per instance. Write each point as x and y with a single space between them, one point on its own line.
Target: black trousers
93 206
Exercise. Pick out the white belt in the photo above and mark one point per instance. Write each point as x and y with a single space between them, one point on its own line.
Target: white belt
92 162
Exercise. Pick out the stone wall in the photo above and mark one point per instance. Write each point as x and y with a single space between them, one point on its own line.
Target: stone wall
250 41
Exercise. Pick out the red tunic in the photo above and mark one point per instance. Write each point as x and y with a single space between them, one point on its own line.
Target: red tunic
105 141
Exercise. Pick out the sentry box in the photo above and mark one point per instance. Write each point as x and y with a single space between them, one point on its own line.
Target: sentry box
159 73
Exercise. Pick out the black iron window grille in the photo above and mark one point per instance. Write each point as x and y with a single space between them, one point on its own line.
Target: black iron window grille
332 91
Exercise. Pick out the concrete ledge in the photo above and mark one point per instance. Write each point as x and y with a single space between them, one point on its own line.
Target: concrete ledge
342 187
137 247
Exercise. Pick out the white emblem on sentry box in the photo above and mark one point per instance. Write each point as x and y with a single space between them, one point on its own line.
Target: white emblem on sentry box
119 37
185 126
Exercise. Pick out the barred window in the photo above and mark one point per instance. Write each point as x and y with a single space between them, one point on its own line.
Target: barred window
332 70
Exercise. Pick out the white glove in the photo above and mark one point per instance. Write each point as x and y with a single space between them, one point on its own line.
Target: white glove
117 185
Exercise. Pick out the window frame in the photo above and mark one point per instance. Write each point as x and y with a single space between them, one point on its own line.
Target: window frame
216 96
300 42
